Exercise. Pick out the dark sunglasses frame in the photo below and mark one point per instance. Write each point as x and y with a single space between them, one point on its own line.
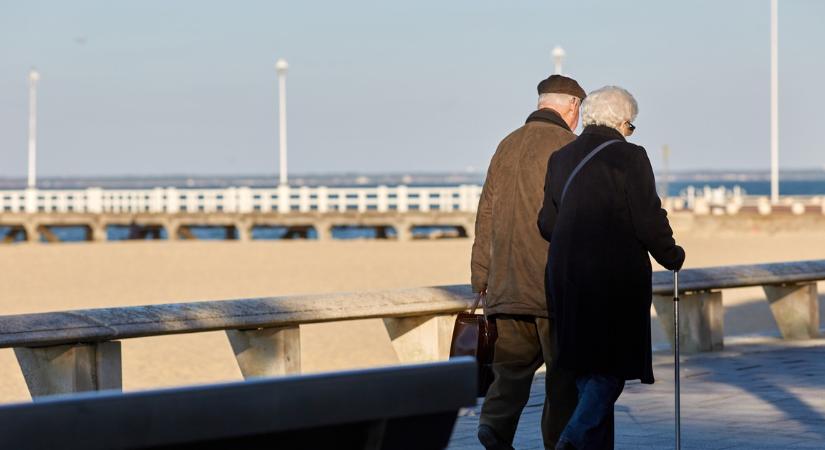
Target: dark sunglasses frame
631 127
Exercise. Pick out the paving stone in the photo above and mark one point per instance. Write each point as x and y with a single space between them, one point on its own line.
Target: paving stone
757 394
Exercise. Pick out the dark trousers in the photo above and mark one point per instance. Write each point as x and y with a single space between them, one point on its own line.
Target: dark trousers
592 424
525 343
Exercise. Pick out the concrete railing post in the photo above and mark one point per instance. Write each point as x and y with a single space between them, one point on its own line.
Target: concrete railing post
324 230
423 199
403 230
32 231
323 199
701 320
94 200
422 338
304 203
795 308
464 197
244 229
403 199
267 351
156 201
172 202
382 199
30 202
476 198
244 200
66 369
172 229
97 231
362 201
284 199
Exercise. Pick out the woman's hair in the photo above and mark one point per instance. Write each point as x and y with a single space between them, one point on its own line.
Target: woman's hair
609 106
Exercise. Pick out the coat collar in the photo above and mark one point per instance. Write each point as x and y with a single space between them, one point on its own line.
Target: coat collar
602 130
548 115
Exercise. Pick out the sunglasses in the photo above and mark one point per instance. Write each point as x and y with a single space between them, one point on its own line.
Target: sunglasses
631 127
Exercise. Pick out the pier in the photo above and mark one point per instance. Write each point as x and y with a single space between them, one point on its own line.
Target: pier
388 212
303 211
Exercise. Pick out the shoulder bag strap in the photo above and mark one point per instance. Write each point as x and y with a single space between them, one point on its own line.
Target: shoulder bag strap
479 299
581 164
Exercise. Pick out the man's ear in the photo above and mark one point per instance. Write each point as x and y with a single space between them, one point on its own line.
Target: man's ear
574 104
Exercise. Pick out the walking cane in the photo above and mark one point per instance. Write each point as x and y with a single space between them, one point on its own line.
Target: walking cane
676 358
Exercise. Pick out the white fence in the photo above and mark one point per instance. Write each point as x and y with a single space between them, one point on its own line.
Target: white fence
720 201
283 199
286 199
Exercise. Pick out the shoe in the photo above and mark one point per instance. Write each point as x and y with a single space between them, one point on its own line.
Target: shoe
490 440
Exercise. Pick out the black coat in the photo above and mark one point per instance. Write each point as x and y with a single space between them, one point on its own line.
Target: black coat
598 270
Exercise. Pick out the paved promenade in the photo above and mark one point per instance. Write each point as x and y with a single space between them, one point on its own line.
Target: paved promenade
757 394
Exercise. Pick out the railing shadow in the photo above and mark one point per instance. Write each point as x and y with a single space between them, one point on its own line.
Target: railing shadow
775 373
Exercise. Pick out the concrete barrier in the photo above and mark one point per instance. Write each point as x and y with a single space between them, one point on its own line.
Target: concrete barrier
74 351
389 408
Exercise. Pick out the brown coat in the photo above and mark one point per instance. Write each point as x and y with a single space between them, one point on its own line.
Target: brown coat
509 254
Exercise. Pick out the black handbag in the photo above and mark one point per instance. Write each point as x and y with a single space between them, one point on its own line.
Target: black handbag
475 335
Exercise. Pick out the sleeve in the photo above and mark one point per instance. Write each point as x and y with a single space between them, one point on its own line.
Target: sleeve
649 219
482 245
549 208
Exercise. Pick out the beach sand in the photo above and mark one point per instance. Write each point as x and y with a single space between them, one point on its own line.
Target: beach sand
49 277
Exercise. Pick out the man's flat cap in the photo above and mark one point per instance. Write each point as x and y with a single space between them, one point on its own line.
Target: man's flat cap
559 84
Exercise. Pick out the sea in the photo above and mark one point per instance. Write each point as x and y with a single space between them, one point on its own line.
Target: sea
206 233
674 188
789 188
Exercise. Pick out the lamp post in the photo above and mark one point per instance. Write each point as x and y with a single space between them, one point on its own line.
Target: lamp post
774 103
281 67
558 56
666 160
34 77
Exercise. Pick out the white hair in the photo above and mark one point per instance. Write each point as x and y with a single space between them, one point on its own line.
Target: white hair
609 106
554 99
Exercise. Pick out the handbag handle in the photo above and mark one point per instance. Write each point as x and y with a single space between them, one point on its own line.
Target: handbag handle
479 299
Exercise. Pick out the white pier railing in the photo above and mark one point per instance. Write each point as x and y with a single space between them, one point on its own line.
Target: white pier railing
283 199
286 199
723 201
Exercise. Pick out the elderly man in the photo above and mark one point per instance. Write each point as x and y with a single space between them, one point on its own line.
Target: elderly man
602 216
508 262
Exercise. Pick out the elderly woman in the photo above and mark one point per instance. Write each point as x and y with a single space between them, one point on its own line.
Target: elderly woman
602 216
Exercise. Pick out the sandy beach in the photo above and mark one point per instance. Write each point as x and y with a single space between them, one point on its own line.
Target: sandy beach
48 277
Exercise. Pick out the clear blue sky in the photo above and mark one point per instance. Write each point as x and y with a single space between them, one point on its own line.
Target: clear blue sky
160 87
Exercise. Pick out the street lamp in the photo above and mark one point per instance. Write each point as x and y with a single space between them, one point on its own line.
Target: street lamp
558 56
774 103
666 160
281 67
34 77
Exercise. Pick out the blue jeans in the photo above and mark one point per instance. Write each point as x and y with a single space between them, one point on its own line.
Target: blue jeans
591 426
